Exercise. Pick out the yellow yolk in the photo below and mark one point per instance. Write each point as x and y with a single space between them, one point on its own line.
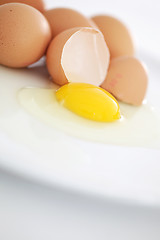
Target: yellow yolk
89 101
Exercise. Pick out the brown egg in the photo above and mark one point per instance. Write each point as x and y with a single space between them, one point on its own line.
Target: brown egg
78 55
38 4
62 19
127 80
116 34
24 35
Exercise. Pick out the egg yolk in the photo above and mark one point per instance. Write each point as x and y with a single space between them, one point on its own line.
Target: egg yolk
89 101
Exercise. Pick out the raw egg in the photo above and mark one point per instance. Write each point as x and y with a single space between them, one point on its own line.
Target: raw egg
127 80
78 55
89 101
116 34
139 126
38 4
62 19
78 59
24 35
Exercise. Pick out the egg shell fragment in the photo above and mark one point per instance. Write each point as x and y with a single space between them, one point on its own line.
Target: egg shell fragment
127 80
78 55
38 4
24 35
61 19
116 34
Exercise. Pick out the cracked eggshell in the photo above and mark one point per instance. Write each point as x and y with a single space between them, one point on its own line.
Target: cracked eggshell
78 55
24 35
61 19
116 34
127 80
38 4
93 24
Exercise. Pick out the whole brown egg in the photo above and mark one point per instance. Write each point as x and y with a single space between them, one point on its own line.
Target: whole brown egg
24 35
116 34
62 19
38 4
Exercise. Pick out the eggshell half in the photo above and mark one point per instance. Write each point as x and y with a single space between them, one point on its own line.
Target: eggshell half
61 19
78 55
24 35
116 34
127 80
38 4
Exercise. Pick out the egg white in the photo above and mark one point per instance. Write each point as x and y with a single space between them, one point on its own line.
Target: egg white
31 90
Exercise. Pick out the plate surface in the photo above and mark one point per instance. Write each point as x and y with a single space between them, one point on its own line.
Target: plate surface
31 148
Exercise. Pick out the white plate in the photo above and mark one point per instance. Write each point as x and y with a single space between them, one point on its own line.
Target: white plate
31 148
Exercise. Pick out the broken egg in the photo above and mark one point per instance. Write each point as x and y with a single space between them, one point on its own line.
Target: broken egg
116 34
139 126
61 19
78 55
24 35
127 80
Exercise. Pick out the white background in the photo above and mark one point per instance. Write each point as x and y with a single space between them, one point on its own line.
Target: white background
31 211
